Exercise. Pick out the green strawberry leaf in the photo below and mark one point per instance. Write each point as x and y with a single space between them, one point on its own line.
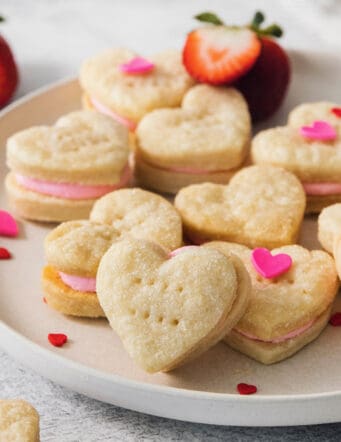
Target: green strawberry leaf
209 17
273 30
257 20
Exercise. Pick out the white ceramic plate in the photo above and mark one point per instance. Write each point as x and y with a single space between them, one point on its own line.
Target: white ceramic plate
305 389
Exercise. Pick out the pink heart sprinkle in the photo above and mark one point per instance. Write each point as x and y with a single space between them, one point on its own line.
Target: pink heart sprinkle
270 266
8 225
337 111
319 130
137 65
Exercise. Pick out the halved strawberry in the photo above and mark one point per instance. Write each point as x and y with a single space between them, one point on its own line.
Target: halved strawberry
220 54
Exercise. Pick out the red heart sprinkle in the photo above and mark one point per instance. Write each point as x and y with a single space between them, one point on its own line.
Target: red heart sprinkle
57 339
337 111
246 389
44 300
4 253
335 320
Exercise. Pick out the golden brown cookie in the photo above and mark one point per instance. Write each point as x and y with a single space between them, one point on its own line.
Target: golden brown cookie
57 172
329 232
73 251
310 147
19 421
285 312
261 206
141 214
207 139
128 97
329 226
169 308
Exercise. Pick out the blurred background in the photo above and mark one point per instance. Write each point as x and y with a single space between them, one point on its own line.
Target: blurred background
50 38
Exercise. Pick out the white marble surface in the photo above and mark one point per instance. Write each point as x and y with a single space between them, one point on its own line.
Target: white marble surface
50 38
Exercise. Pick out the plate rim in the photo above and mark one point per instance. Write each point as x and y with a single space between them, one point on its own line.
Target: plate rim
11 333
10 339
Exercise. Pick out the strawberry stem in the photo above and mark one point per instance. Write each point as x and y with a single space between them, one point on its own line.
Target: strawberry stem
273 30
209 17
2 18
257 20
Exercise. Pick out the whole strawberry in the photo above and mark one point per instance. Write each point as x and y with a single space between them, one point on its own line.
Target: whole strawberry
265 85
8 72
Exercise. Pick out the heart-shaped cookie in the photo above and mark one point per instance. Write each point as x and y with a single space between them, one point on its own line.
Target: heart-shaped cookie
205 139
57 172
287 312
141 214
168 309
262 206
84 147
19 421
329 226
329 232
132 96
310 147
74 249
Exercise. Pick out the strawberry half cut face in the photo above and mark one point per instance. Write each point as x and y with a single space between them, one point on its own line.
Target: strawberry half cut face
220 54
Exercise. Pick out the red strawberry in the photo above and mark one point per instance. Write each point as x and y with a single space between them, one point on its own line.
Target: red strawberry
8 72
265 85
219 54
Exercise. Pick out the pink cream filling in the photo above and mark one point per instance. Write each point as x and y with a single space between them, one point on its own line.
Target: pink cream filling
131 125
322 188
70 190
286 337
191 170
79 283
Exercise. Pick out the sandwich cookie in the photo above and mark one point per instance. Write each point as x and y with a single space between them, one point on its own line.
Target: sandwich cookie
329 226
329 232
58 172
292 293
206 139
74 249
141 214
168 308
310 147
125 86
262 206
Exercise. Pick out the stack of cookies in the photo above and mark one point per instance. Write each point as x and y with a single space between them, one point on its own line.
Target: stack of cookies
220 264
